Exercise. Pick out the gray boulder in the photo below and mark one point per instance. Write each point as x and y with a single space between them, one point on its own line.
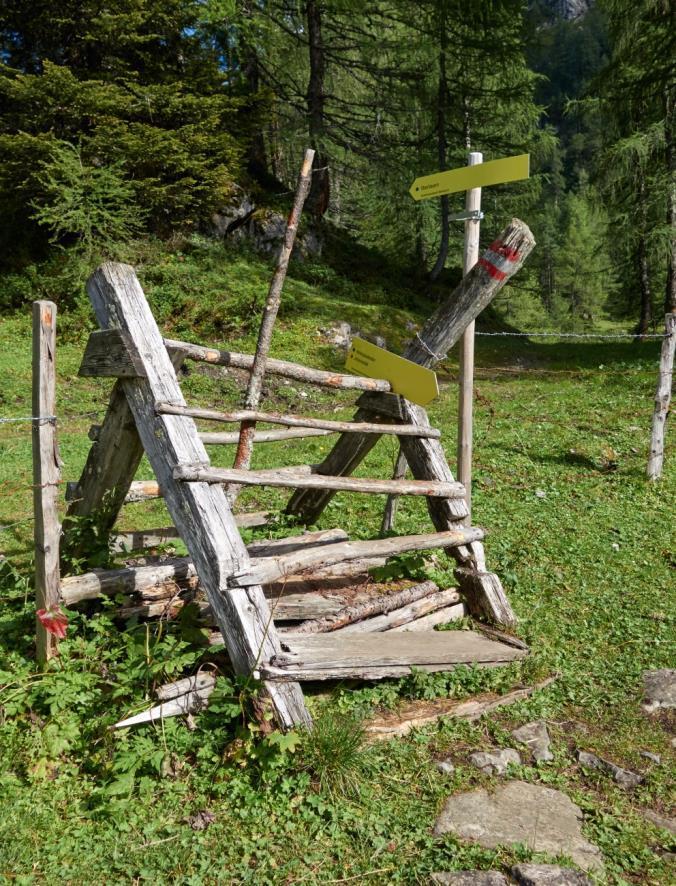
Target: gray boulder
495 762
624 777
536 736
470 878
548 875
659 689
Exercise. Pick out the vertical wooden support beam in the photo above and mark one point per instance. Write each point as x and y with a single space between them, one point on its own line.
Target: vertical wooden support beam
200 511
662 399
465 403
46 472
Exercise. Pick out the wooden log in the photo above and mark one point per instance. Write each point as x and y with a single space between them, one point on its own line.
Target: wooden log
142 490
46 476
485 596
139 539
190 703
466 369
301 478
199 511
283 368
201 680
404 615
176 573
297 421
416 714
430 621
439 334
392 503
111 354
255 386
271 569
374 606
662 399
228 437
383 655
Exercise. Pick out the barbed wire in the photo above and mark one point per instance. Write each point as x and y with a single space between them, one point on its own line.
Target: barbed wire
47 419
612 335
40 419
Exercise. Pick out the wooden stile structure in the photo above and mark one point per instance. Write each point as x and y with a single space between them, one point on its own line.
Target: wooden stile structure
255 593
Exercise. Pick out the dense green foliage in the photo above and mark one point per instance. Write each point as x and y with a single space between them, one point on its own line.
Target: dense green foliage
142 115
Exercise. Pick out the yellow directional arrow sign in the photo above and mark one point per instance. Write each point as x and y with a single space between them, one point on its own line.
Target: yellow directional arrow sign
408 379
495 172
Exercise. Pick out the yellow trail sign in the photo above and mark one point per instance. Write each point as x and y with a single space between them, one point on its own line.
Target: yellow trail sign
408 379
495 172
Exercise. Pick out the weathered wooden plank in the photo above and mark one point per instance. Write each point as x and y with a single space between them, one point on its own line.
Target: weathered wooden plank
392 503
298 421
485 596
271 569
366 610
298 478
228 437
439 334
46 474
190 703
402 616
199 511
111 353
201 680
388 654
662 399
440 617
284 368
176 573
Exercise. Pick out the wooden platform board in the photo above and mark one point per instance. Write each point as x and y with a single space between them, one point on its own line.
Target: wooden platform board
389 654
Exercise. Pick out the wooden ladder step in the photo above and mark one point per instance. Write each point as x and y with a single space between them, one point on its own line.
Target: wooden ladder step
298 421
302 477
274 568
340 656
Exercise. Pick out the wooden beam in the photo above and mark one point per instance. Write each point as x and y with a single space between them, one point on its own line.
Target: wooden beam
662 399
404 615
199 511
298 421
303 374
110 353
388 654
275 568
227 438
46 476
302 479
428 622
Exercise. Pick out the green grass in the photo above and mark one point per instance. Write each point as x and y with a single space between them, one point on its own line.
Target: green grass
583 543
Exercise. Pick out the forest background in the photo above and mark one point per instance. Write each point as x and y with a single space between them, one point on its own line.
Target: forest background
132 119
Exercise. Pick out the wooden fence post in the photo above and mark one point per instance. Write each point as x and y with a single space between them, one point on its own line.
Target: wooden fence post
46 472
662 399
465 403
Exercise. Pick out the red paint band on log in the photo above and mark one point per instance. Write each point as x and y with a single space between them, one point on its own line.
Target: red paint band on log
508 252
492 270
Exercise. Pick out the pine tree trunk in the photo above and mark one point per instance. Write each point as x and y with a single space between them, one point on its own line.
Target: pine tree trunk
258 162
670 290
442 146
318 200
646 314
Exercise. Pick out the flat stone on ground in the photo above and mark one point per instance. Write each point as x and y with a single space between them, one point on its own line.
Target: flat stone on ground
548 875
659 689
536 736
470 878
495 761
624 777
541 818
662 821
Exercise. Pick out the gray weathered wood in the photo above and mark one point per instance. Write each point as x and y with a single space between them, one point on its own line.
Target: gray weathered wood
175 573
199 511
201 680
107 479
190 703
255 386
662 399
301 478
439 334
284 368
429 622
485 596
392 503
388 654
46 473
228 437
374 606
273 568
298 421
110 353
466 364
403 615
